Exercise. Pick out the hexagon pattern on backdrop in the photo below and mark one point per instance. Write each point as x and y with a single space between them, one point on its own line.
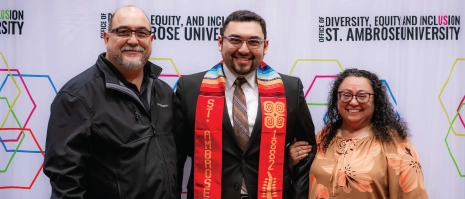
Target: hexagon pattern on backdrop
17 138
455 115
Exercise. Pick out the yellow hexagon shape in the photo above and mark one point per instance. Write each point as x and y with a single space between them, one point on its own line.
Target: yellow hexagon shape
17 87
177 73
440 100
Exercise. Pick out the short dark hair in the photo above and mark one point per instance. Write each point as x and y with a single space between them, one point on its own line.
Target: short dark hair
385 123
110 21
244 16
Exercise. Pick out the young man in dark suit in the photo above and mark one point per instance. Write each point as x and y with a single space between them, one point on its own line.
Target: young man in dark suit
236 120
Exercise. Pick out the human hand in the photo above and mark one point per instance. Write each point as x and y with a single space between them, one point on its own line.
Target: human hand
298 151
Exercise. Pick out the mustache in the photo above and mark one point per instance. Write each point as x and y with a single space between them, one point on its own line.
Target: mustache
135 48
235 55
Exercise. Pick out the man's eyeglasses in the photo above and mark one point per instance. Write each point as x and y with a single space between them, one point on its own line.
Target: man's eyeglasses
361 98
126 32
237 41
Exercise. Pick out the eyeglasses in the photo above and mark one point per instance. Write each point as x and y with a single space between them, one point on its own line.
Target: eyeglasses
237 42
126 32
361 98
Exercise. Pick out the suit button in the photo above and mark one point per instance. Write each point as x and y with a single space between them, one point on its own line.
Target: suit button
243 161
236 186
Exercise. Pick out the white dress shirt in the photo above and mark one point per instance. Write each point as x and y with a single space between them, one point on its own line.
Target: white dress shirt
251 95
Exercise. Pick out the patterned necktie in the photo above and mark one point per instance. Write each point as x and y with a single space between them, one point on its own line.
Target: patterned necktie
240 119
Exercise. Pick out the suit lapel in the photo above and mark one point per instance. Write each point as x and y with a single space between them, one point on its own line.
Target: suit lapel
227 126
256 127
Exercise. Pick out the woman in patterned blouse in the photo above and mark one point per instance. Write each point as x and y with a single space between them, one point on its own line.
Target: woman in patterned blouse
364 150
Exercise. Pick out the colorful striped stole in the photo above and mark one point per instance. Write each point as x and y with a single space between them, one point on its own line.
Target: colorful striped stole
208 133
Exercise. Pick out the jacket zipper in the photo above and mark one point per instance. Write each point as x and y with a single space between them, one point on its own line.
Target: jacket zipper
164 160
136 114
161 151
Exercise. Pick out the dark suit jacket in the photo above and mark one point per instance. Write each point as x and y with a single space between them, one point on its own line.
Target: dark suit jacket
237 162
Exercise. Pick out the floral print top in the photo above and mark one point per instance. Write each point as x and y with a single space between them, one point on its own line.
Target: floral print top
362 168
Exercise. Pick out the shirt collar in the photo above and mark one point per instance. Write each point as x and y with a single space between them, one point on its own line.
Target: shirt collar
231 77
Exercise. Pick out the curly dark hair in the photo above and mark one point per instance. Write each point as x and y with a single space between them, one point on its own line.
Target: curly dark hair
384 121
244 16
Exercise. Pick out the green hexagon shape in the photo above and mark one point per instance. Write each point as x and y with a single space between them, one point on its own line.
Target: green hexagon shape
447 144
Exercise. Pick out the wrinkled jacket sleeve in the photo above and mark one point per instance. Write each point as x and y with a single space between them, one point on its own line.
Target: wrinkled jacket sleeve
180 130
67 149
305 131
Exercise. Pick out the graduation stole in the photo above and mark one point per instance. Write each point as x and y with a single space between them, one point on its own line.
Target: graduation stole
208 134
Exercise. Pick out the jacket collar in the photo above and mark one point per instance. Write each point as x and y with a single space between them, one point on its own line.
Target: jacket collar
110 77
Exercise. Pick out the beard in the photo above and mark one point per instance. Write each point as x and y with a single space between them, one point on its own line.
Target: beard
241 70
130 64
